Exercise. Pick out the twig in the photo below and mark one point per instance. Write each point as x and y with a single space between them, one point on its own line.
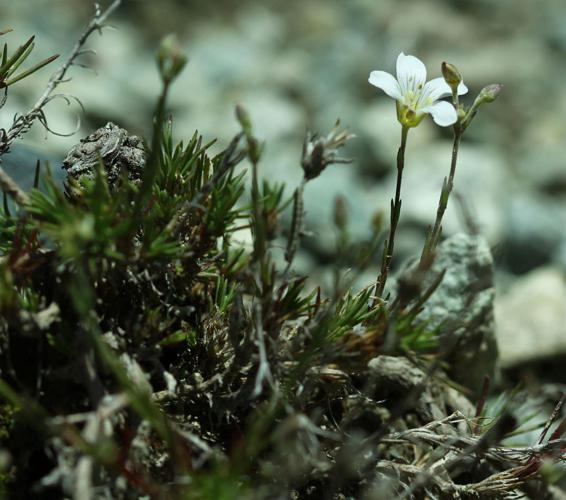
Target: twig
23 124
555 414
457 448
492 487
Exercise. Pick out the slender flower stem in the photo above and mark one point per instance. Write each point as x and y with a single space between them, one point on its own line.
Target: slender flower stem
447 186
258 215
395 213
11 188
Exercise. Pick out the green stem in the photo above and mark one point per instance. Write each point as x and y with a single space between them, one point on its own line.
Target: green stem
296 225
395 214
455 99
259 223
153 162
434 235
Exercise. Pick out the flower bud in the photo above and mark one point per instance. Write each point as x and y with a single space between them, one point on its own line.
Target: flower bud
490 93
170 58
254 146
451 75
243 118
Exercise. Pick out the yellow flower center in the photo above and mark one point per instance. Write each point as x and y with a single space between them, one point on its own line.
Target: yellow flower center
408 115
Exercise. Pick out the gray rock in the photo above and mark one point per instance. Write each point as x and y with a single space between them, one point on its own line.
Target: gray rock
531 318
397 373
534 232
400 381
114 147
461 308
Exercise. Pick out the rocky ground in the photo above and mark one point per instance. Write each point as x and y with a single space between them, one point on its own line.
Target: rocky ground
306 65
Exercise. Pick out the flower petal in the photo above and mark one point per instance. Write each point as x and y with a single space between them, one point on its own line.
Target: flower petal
385 82
443 113
436 89
462 89
411 72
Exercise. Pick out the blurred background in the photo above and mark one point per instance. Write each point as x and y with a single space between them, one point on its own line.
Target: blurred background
303 64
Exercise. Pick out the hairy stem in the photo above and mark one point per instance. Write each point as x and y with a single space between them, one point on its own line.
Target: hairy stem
296 225
434 235
395 213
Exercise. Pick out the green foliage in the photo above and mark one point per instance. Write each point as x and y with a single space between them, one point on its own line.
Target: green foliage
140 335
351 310
9 63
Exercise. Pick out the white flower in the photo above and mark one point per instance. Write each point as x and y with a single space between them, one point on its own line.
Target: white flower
414 97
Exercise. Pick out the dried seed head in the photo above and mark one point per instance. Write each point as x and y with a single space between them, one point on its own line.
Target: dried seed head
319 152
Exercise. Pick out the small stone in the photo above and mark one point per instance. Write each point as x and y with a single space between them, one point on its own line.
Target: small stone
400 381
114 147
397 373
